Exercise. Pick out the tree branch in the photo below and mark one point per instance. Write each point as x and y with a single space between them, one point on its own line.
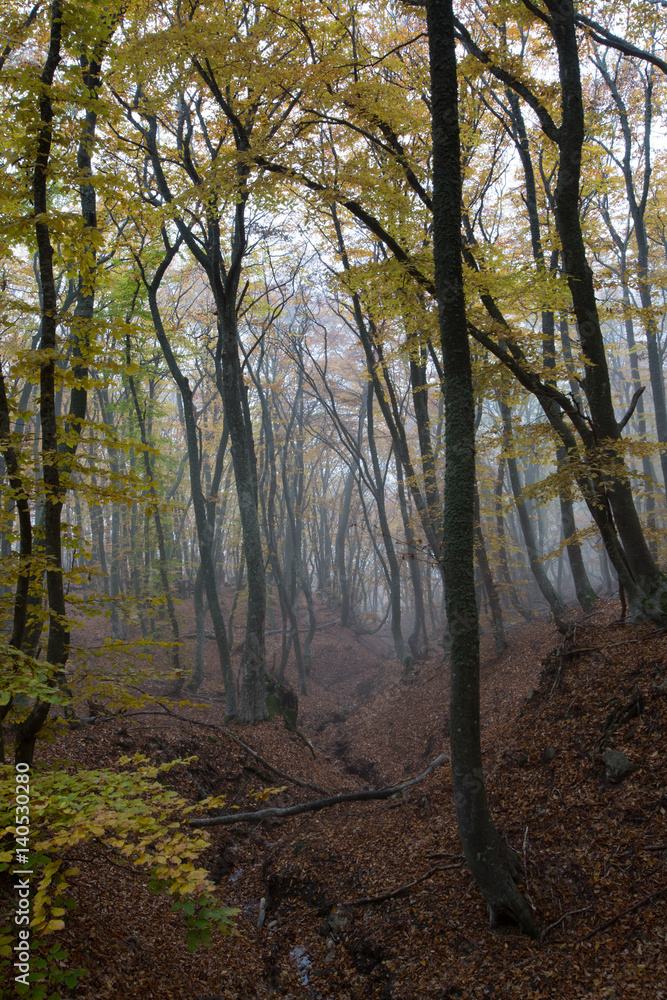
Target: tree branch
635 906
631 408
370 900
333 800
605 37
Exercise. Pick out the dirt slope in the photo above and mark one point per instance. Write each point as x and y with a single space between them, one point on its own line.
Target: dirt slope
594 853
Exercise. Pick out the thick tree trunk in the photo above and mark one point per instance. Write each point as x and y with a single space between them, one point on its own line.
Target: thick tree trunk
481 843
57 649
597 387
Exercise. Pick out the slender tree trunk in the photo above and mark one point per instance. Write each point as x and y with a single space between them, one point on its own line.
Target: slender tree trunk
205 531
394 575
582 585
200 632
517 604
647 464
159 531
417 640
497 624
286 601
233 392
546 587
341 537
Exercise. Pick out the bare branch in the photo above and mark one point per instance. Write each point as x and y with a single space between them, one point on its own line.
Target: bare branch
333 800
631 408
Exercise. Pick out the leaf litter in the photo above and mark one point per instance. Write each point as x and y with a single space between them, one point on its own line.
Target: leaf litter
372 899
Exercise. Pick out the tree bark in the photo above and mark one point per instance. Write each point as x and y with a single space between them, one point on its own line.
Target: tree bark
480 840
570 139
57 649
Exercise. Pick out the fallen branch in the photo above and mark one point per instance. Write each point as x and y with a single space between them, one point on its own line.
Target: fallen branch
244 746
370 900
333 800
570 913
635 906
168 714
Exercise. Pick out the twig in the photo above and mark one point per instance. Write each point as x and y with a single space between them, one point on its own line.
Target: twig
570 913
512 968
369 900
333 800
655 847
635 906
168 714
200 788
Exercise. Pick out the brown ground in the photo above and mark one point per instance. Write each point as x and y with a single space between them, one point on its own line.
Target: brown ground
594 855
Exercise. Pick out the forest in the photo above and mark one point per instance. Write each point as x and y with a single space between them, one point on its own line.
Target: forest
333 458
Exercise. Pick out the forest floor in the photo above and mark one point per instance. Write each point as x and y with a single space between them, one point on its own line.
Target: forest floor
373 899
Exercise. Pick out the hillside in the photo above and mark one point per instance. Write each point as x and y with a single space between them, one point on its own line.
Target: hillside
372 899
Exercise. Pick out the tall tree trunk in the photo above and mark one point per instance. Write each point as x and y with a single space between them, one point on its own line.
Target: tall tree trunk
582 585
497 624
159 531
544 583
57 649
481 843
647 463
341 538
286 601
294 509
205 531
638 206
418 639
517 604
394 575
570 139
200 632
237 416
